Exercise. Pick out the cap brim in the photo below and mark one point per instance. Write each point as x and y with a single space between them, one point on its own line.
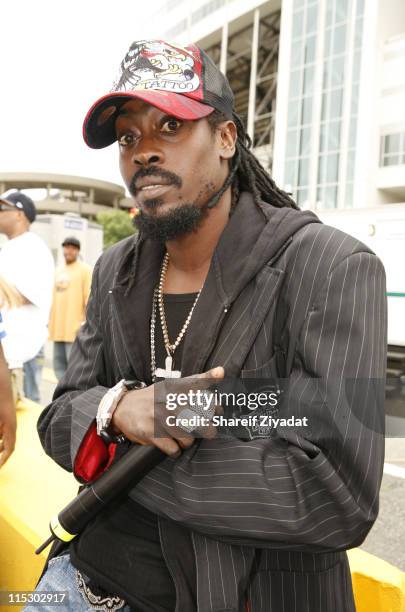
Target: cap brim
99 124
5 201
11 204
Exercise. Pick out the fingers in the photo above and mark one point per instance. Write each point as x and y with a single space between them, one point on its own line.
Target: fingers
185 442
139 441
191 401
209 432
7 445
4 456
186 428
9 436
136 440
146 421
196 381
217 372
168 446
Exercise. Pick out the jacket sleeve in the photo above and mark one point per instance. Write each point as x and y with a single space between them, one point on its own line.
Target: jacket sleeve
314 487
63 425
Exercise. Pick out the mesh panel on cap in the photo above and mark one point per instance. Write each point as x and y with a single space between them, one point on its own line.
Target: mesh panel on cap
217 89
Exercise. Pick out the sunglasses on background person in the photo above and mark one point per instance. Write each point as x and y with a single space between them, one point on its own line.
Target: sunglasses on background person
5 207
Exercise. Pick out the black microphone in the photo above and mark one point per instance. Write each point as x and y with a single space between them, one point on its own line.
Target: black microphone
129 470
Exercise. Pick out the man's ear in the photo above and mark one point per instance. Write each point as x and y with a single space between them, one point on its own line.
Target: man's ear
21 215
227 135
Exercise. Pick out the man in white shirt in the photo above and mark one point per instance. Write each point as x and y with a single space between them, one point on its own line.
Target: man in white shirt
27 266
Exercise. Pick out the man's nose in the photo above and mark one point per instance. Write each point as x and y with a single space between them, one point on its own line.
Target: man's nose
146 159
146 153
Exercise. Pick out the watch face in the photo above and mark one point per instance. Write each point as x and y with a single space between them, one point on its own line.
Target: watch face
134 384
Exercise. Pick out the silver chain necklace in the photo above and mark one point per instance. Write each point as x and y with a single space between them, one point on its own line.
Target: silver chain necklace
167 372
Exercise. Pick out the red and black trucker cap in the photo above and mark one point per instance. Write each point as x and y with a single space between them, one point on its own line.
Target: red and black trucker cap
181 81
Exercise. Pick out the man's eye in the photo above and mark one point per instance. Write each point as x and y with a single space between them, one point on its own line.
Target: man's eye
126 140
171 125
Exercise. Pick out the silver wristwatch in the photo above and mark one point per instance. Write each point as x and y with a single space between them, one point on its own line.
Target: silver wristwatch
109 403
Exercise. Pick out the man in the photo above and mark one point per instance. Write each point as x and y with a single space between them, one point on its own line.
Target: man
227 276
70 295
27 268
8 422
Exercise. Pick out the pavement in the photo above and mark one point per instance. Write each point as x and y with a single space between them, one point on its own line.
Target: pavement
387 537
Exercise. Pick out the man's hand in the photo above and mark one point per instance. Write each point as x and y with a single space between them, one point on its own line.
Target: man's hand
141 414
8 427
10 297
8 423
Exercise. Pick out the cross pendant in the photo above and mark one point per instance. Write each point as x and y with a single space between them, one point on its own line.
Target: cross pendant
167 372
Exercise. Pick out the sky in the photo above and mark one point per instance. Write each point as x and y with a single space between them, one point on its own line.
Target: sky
57 58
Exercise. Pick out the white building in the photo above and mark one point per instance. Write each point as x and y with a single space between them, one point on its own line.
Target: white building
321 84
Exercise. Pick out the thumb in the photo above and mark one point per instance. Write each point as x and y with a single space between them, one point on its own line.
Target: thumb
217 372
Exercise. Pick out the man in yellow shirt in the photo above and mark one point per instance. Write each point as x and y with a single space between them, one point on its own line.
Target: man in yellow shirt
71 292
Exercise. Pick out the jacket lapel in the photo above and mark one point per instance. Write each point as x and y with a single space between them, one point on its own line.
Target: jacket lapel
224 281
244 321
227 318
132 306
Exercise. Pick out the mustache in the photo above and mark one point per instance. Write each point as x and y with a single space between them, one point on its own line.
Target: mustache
169 177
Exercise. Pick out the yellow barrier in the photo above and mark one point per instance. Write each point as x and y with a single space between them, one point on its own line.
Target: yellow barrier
378 586
33 489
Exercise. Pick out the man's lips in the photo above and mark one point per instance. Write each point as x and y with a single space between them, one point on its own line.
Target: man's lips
153 186
149 182
153 190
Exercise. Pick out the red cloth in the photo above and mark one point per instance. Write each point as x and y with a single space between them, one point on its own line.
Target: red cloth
93 457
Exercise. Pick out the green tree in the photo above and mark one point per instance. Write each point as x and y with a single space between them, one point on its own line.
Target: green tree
117 224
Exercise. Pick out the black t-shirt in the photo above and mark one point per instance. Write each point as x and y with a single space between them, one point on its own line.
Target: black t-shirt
120 550
177 308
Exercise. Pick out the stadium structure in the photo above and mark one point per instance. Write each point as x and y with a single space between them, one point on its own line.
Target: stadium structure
62 193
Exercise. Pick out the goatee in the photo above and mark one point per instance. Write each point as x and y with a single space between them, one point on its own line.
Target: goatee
177 222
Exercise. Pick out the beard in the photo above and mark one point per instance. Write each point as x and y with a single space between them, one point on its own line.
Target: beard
177 222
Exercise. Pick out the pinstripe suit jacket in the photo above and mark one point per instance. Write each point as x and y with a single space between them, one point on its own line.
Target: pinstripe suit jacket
270 518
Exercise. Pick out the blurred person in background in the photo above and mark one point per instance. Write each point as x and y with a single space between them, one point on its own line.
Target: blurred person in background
7 408
26 277
32 375
70 295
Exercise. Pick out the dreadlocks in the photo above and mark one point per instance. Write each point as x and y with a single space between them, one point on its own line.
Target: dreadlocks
247 171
